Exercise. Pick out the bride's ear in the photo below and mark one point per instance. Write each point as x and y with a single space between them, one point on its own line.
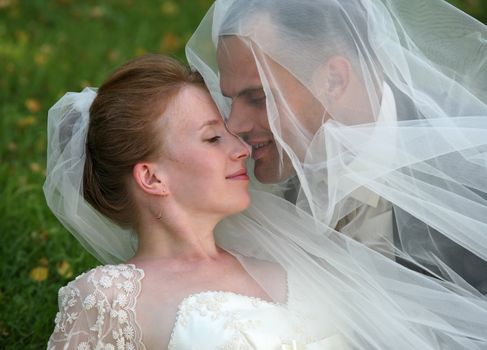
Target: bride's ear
150 179
331 79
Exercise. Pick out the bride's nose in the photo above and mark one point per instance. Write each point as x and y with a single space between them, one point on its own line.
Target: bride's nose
240 149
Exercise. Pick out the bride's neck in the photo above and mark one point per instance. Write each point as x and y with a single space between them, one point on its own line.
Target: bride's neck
177 236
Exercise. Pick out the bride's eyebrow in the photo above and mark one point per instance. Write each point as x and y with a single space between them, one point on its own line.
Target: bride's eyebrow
210 123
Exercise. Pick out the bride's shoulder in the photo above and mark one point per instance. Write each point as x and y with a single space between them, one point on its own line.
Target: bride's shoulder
120 271
96 303
106 280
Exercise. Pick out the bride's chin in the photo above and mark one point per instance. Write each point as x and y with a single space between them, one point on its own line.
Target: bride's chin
239 206
247 203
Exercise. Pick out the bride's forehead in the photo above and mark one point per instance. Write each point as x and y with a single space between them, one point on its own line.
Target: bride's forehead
192 91
191 106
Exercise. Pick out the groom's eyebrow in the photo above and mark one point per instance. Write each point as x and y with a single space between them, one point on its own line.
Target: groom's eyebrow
246 91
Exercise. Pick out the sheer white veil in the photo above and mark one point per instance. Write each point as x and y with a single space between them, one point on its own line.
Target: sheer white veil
67 128
413 139
339 285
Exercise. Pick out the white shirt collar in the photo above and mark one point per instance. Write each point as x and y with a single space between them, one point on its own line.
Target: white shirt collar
387 116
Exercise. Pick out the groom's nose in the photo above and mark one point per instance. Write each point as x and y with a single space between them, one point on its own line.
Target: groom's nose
244 120
240 121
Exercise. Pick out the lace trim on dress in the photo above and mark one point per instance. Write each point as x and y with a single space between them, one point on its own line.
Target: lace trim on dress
97 310
211 302
211 305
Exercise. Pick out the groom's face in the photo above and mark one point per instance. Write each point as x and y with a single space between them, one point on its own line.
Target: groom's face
240 81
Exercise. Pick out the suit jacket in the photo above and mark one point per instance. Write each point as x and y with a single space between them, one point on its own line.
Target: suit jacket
466 264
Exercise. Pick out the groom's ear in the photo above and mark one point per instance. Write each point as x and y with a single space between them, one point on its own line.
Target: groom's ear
331 79
150 179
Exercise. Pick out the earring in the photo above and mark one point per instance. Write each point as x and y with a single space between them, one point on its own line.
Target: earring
163 194
159 216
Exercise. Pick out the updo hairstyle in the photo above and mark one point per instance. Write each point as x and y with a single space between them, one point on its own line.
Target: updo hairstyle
122 130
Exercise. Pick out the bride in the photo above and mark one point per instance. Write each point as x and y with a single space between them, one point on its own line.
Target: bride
148 152
284 273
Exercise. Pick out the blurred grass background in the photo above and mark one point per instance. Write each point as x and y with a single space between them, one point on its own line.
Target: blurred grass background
49 47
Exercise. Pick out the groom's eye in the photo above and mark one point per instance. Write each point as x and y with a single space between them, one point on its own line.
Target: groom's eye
256 99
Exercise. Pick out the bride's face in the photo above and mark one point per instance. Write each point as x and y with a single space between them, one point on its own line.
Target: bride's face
204 163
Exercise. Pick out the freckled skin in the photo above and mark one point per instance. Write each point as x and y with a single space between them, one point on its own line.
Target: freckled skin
199 159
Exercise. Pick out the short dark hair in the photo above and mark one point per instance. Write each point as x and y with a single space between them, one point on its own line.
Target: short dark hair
334 27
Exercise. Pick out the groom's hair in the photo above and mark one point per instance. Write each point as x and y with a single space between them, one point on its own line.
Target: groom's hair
332 27
124 129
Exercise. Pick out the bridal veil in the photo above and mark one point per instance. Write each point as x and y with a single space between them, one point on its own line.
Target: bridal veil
405 148
412 143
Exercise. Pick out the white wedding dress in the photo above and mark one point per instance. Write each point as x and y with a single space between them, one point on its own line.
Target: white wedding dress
98 311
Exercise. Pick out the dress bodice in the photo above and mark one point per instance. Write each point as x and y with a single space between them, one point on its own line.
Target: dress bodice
225 320
99 311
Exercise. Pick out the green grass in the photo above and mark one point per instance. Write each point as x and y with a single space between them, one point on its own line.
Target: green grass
46 49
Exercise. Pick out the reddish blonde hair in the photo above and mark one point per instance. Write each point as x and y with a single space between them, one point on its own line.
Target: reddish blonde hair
122 129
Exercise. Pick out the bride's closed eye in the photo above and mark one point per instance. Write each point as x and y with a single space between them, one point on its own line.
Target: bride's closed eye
214 139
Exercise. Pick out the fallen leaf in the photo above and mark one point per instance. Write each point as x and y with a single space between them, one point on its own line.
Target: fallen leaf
12 146
40 59
169 8
39 273
3 330
33 105
140 51
46 48
10 67
113 55
25 122
35 167
42 236
22 37
5 3
64 269
85 83
170 42
97 12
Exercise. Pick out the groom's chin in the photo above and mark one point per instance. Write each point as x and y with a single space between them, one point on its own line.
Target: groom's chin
268 174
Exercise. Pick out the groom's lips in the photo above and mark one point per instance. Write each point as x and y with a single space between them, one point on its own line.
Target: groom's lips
259 148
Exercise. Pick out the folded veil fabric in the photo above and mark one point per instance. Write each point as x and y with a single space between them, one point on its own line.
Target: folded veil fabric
412 144
66 132
343 287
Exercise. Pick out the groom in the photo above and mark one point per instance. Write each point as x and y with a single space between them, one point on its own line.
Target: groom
240 81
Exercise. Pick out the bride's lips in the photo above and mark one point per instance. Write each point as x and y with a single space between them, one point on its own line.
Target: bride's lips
238 175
